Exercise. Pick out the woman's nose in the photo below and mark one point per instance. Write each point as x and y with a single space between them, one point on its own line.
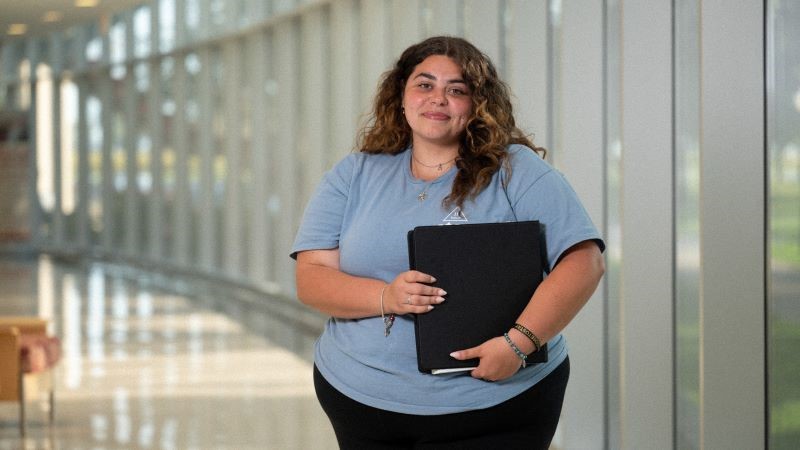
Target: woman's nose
438 98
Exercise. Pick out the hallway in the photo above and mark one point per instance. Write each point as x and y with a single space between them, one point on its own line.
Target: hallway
156 361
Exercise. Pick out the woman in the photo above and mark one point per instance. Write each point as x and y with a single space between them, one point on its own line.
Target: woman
441 148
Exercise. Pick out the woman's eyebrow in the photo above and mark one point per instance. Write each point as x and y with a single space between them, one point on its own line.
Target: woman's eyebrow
432 77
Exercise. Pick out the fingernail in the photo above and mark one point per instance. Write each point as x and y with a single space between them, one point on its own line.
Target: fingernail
442 292
454 355
430 307
439 299
433 279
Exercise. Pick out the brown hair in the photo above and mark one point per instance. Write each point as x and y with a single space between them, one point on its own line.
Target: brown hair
488 132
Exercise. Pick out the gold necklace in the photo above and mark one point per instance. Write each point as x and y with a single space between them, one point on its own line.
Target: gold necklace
424 194
438 167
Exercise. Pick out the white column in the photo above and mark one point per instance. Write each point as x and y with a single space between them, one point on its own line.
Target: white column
732 322
206 29
580 122
56 58
344 62
155 125
107 101
232 221
282 6
181 205
35 208
315 105
182 223
646 303
374 44
284 154
526 69
206 236
82 206
444 17
258 10
272 111
132 203
407 26
482 27
259 224
181 38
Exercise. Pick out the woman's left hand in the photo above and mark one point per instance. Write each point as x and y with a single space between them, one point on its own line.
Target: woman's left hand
497 360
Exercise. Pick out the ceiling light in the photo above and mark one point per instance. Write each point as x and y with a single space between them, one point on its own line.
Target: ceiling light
16 29
86 3
52 16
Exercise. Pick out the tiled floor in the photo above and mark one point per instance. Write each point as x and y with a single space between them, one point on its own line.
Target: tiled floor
156 362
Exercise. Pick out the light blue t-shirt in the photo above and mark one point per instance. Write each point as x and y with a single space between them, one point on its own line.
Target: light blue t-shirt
365 206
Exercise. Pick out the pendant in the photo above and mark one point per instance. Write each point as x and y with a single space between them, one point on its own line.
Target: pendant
422 195
440 167
388 321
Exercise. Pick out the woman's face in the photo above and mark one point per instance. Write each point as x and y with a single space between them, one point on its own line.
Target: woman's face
437 102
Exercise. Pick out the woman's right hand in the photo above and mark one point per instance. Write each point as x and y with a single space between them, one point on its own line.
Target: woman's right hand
324 287
410 293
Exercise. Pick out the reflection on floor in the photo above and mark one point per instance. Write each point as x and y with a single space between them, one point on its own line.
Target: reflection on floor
151 361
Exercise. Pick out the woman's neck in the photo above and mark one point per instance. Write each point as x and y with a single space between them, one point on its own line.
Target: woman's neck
431 163
431 154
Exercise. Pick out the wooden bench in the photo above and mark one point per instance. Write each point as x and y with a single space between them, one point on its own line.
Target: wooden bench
27 358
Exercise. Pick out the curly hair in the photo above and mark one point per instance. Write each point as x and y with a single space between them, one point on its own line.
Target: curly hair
488 133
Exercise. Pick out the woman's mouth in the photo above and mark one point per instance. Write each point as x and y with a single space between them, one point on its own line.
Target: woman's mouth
436 116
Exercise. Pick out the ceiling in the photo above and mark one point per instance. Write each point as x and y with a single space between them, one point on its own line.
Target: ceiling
32 14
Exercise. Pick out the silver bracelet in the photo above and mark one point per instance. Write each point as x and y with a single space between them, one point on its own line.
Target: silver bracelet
516 349
388 321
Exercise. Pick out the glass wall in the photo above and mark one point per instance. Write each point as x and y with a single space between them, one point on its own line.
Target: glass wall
45 144
208 123
16 147
70 159
141 157
118 131
246 168
687 222
205 125
94 129
219 161
167 159
783 146
613 143
191 133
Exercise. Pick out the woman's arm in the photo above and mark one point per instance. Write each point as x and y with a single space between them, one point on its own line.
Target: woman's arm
322 286
555 303
562 294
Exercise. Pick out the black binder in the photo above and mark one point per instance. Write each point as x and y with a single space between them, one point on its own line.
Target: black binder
489 271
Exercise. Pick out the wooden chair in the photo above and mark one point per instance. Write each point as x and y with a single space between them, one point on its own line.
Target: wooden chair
27 358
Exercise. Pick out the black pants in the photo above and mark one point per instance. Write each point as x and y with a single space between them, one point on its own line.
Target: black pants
527 421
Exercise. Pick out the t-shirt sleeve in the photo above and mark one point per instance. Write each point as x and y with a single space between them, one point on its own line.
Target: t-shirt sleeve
539 192
321 225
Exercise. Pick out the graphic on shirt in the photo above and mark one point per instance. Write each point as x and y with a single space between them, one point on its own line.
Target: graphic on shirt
455 216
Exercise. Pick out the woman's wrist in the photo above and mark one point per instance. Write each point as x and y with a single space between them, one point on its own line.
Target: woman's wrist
537 343
520 354
388 319
522 341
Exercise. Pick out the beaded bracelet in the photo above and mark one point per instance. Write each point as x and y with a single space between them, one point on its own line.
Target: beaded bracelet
516 349
537 344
